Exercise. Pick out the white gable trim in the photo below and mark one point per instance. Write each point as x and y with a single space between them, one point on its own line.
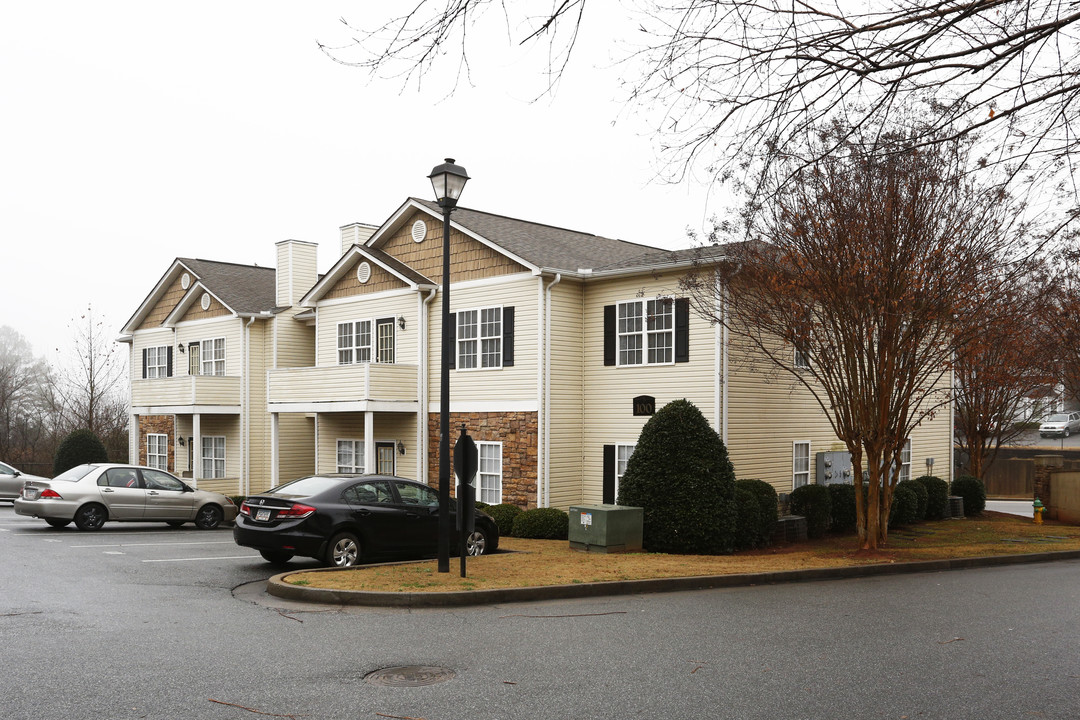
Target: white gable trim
341 268
174 271
196 290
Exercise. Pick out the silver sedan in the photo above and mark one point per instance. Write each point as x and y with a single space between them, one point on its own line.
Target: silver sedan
11 481
92 494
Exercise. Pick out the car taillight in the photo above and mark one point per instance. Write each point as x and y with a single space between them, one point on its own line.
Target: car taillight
296 511
245 509
50 494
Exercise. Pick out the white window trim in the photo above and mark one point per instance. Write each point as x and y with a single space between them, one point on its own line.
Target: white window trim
645 333
157 362
356 348
478 339
163 442
618 475
799 360
357 453
905 467
495 499
211 358
795 473
213 459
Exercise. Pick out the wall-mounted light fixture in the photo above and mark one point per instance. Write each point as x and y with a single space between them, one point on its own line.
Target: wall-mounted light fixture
401 321
180 347
400 447
181 441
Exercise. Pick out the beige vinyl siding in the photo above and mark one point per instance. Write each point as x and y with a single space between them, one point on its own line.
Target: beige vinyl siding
506 384
296 449
143 339
358 381
260 335
214 425
373 308
389 427
567 401
933 439
295 341
609 390
230 328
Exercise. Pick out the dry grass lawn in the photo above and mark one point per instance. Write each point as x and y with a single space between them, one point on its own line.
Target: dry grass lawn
551 562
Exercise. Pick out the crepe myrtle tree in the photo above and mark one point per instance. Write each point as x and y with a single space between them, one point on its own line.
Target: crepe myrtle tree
722 81
1065 327
854 283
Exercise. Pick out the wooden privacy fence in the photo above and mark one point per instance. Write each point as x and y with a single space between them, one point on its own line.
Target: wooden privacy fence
1012 475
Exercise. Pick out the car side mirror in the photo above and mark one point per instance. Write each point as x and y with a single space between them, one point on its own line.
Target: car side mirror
187 488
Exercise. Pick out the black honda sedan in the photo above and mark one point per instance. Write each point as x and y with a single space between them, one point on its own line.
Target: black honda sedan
342 520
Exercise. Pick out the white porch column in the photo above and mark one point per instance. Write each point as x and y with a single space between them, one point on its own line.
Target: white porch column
369 441
133 439
275 449
196 449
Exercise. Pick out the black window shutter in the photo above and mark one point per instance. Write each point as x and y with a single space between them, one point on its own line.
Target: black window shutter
609 474
609 334
168 361
144 363
682 330
508 337
452 340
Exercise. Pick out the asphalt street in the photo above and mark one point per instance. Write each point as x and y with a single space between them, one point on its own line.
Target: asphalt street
141 621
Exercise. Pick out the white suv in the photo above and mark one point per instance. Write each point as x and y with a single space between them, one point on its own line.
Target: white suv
1063 424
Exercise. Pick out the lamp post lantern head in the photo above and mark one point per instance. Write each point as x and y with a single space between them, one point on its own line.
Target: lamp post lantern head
448 180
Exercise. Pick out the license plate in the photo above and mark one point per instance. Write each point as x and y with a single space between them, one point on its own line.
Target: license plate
29 493
262 515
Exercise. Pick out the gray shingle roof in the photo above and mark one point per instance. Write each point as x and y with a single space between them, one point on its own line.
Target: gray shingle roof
546 246
244 288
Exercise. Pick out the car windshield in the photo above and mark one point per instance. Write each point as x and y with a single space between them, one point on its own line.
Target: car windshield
305 487
1060 417
76 473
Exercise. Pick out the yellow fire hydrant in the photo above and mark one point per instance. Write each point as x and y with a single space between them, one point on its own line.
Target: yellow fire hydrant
1038 511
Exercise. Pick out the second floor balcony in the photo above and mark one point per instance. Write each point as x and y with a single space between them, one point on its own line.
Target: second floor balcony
343 388
187 391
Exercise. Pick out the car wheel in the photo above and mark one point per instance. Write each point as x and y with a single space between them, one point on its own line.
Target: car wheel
1067 432
476 542
57 522
176 523
208 517
276 557
343 550
91 517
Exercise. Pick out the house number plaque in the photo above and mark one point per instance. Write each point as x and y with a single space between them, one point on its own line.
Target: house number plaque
644 405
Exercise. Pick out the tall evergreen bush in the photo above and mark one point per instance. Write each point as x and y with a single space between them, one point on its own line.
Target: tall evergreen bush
79 447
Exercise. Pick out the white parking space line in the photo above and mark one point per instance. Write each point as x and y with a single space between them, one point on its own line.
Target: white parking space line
233 557
206 542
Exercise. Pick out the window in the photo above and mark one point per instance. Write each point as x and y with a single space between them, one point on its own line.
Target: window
905 462
213 455
157 451
157 362
350 456
801 361
646 332
490 472
161 481
622 456
354 342
384 330
800 464
412 494
194 366
374 492
213 357
479 338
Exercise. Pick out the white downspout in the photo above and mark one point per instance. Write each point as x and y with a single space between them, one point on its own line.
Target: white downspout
724 391
422 450
245 413
547 389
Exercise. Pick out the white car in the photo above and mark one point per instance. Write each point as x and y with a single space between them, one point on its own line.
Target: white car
1063 424
11 481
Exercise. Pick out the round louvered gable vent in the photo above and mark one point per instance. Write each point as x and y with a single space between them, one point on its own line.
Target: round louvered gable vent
363 272
419 231
185 281
205 301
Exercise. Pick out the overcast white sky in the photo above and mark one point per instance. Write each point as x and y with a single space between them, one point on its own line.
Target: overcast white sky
136 132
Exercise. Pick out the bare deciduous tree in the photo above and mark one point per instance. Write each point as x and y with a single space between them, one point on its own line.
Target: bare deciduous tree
24 384
862 266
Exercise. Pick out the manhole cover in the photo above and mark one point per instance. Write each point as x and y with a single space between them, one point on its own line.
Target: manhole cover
410 676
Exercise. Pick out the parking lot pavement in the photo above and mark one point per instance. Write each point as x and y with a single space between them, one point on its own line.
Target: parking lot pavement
1031 439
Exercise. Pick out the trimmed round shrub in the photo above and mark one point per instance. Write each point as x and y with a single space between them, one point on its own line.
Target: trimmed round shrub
905 506
768 509
681 477
481 505
814 504
504 515
542 524
973 491
921 495
937 496
79 447
748 521
842 508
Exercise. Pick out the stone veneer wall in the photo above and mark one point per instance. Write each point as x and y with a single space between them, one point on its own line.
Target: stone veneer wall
157 425
517 431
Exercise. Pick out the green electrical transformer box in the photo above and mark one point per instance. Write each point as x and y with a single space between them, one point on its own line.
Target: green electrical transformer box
605 528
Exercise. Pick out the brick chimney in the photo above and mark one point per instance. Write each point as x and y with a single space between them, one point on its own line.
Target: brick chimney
296 270
355 234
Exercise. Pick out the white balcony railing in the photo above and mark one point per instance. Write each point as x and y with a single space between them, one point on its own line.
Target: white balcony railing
344 383
187 390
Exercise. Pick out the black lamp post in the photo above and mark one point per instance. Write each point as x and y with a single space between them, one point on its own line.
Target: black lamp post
448 180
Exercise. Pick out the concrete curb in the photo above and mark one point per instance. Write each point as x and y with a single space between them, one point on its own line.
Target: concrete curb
277 586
